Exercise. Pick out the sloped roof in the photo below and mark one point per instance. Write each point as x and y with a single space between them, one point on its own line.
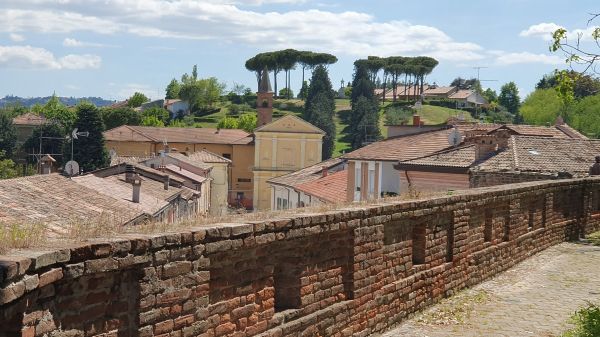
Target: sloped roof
461 94
58 201
414 146
545 155
403 147
188 160
307 174
206 156
174 169
460 157
126 133
30 119
116 160
331 188
290 124
438 90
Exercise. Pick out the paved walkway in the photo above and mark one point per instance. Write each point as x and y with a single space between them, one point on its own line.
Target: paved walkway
534 298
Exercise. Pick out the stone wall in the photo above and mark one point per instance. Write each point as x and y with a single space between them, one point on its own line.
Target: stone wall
348 272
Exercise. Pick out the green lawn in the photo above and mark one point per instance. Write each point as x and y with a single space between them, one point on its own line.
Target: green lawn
429 114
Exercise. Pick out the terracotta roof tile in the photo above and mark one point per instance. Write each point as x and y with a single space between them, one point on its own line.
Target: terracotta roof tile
206 156
307 174
29 119
463 156
414 146
331 188
178 135
57 201
547 155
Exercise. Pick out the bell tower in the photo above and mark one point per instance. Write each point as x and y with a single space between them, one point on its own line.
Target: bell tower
264 101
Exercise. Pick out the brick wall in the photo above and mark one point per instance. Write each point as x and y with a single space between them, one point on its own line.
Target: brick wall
486 179
348 272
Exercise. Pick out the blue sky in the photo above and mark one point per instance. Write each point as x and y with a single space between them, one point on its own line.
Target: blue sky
112 48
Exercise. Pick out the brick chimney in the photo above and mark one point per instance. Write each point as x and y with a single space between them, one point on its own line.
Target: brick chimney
417 120
489 143
129 173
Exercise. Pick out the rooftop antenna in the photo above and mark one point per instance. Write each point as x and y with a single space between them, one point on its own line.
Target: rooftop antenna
478 68
72 167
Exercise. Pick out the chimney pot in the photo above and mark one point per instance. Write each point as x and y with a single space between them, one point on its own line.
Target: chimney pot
167 181
136 183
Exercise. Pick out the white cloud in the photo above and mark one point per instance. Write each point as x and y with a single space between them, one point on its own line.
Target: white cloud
544 31
348 33
16 37
28 57
70 42
505 59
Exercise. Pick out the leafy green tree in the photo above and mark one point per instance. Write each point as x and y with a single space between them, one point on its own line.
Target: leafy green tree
54 144
8 135
89 151
584 85
158 113
286 92
541 106
172 90
114 117
509 97
585 116
176 123
247 122
303 91
490 95
56 111
467 84
8 168
202 94
228 123
137 99
152 121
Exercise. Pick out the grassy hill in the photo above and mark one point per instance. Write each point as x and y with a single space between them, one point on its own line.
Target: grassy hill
429 114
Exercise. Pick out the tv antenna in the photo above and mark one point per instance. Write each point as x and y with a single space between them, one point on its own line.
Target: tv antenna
72 167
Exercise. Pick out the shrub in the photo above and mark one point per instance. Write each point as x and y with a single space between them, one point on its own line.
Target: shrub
586 322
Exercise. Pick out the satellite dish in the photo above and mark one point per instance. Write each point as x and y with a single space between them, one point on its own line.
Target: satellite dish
454 138
72 168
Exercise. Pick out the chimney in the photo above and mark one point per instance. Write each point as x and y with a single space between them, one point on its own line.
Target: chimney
167 181
325 171
417 120
129 173
136 183
488 144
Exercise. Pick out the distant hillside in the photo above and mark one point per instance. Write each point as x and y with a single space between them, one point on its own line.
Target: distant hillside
68 101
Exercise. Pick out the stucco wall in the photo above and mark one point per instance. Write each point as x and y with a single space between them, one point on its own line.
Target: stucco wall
348 272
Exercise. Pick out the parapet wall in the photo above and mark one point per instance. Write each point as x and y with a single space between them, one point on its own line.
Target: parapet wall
347 272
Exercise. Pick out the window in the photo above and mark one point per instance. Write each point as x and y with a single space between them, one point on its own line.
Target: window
227 155
357 181
371 183
531 218
244 180
282 203
239 196
287 288
488 230
506 236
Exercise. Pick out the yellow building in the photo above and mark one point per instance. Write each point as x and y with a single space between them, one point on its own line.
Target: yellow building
280 147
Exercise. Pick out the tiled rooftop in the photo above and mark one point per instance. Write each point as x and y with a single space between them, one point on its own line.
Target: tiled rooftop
541 154
307 174
126 133
29 119
57 201
456 157
331 188
414 146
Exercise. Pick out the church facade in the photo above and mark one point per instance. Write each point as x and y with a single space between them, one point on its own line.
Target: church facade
280 147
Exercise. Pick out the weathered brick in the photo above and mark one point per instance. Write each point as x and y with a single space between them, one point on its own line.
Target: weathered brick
50 276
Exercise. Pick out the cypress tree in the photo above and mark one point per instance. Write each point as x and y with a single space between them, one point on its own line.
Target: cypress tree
365 108
89 151
8 135
319 108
